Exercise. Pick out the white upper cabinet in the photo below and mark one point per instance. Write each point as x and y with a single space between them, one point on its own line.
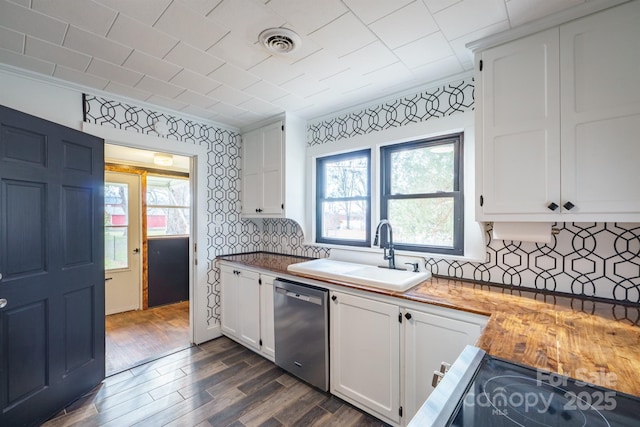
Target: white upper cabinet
558 122
273 170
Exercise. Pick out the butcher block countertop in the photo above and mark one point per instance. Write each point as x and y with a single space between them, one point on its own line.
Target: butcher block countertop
593 341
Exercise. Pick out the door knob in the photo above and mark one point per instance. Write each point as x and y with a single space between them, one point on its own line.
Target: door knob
568 206
552 206
136 251
408 316
3 303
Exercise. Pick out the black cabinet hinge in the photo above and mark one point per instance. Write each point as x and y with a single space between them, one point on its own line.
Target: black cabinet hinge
481 65
481 200
259 281
400 317
282 206
260 343
282 128
400 411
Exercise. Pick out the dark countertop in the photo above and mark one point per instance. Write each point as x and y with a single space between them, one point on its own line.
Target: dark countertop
593 341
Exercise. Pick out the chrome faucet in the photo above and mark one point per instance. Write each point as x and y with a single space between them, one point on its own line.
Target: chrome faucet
391 254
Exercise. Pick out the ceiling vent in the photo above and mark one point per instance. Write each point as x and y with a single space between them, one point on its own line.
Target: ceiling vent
280 41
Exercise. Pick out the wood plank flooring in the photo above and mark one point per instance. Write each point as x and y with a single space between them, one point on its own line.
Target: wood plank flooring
135 337
219 383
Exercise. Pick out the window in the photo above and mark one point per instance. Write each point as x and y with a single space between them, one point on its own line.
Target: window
168 202
116 225
421 194
343 199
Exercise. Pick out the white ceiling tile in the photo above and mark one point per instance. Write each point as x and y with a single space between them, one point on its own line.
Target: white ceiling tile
11 40
132 33
266 91
322 64
251 116
347 81
56 54
202 7
151 66
332 36
305 86
523 11
258 106
128 91
371 57
465 56
185 24
247 18
372 10
145 11
197 111
96 46
80 78
169 103
292 102
275 71
405 25
469 16
10 57
427 49
395 72
233 76
109 71
193 59
308 15
194 81
25 3
239 52
437 5
31 22
85 14
227 110
436 70
229 95
159 87
191 97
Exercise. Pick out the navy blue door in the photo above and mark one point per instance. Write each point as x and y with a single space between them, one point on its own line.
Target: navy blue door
52 266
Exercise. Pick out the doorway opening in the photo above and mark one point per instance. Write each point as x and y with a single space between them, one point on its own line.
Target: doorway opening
147 269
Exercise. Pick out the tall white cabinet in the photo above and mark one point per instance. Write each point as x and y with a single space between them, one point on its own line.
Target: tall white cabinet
558 122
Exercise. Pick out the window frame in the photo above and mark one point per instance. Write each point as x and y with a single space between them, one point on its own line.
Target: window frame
320 198
457 194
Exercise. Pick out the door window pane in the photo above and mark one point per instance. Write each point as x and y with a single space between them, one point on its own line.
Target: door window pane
116 221
168 206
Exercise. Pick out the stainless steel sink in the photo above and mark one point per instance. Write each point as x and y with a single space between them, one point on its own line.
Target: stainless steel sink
360 274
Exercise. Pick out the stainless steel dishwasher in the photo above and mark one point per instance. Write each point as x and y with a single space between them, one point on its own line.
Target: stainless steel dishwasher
301 321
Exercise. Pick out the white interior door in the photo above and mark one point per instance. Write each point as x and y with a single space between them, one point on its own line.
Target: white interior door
123 242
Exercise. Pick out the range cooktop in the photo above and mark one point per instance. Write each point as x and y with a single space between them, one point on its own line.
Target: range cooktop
506 394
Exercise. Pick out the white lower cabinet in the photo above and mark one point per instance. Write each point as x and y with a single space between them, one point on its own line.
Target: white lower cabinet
247 308
365 354
379 348
429 340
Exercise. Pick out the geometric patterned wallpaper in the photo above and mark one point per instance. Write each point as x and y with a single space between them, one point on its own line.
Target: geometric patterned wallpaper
231 234
595 260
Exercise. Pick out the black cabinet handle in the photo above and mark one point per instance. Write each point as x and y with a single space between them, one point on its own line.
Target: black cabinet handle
407 316
333 297
552 206
568 206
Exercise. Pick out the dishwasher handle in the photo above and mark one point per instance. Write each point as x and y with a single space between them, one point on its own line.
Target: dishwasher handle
299 296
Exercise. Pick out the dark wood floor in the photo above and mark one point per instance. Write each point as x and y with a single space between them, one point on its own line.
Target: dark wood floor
219 383
134 337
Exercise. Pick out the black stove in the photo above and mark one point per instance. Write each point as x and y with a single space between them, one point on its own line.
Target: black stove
481 390
506 394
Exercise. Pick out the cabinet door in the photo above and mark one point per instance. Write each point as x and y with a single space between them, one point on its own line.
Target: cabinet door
430 340
272 169
229 296
251 172
365 354
600 61
249 309
521 125
267 333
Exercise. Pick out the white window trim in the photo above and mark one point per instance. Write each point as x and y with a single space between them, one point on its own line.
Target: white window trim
474 238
